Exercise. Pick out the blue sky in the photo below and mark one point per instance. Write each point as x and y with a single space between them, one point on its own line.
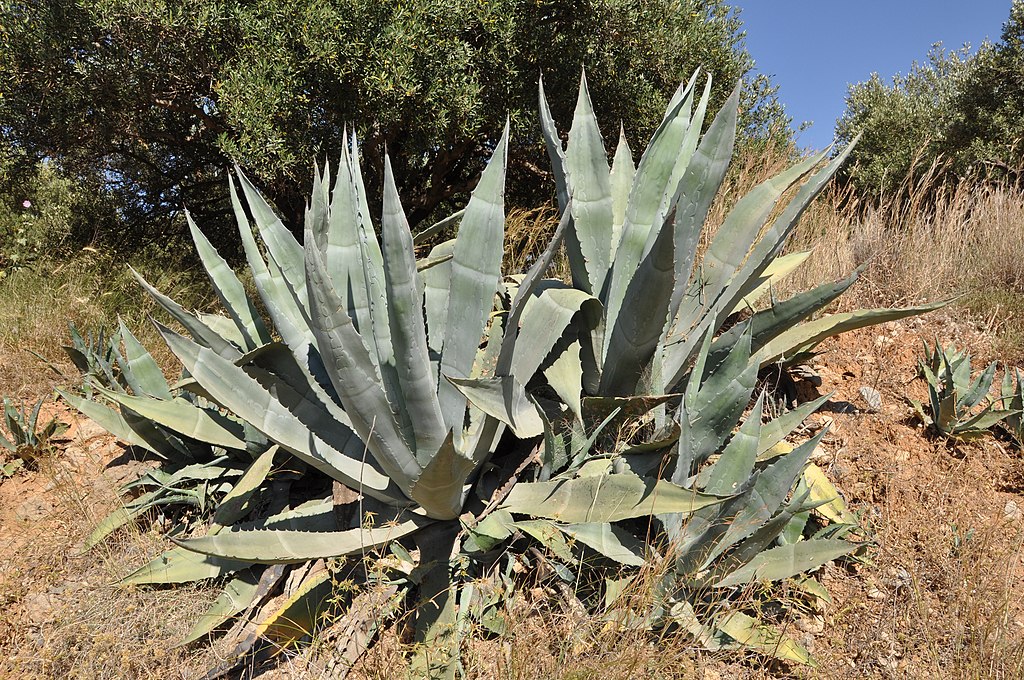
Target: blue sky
814 49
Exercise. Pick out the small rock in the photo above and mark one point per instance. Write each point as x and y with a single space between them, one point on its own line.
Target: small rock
815 625
1012 512
872 398
875 594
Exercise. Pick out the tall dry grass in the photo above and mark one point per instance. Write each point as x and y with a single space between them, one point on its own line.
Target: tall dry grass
966 242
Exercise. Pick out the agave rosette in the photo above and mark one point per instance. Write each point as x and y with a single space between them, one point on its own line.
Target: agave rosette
465 414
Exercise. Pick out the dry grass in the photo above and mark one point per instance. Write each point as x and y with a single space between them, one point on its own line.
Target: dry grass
89 291
63 614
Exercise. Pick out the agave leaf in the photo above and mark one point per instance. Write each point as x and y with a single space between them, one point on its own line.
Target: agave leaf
109 420
283 249
489 532
276 546
418 404
435 282
424 264
437 634
235 504
825 496
788 523
548 534
224 327
218 468
147 377
773 274
202 333
505 399
716 406
609 540
229 290
586 164
621 181
727 288
124 515
767 324
979 389
373 262
811 333
439 489
545 318
565 376
232 388
298 615
645 197
697 187
603 498
785 561
779 428
425 235
179 565
342 250
524 296
288 319
749 632
740 230
351 372
979 424
694 126
736 463
475 273
766 248
634 336
769 492
181 416
236 596
554 146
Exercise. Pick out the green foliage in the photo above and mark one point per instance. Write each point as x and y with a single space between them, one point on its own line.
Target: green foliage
44 215
153 99
448 428
25 439
960 112
953 398
904 126
990 126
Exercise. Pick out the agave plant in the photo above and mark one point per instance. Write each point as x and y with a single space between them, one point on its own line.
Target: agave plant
25 437
1013 401
954 398
462 419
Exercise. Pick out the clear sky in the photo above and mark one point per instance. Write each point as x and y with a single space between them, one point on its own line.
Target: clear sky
814 49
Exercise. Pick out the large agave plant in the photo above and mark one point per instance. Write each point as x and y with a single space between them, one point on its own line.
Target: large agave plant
462 418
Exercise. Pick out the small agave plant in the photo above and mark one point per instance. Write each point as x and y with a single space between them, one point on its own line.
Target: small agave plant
958 407
429 430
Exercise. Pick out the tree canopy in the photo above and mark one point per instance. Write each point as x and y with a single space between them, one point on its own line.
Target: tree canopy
960 111
152 100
